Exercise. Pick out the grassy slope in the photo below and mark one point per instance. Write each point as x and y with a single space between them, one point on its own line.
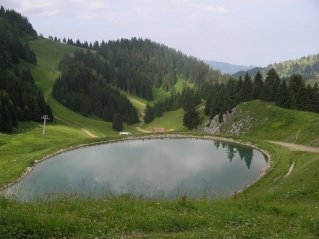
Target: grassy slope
274 207
46 72
48 54
273 123
169 120
27 144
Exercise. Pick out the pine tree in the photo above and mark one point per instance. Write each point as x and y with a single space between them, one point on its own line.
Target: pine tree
315 98
8 116
271 86
297 90
283 98
245 93
117 122
191 116
191 119
26 113
149 114
6 124
257 85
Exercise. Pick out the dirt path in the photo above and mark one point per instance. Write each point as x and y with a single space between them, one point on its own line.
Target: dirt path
290 169
138 102
82 129
89 133
296 147
142 130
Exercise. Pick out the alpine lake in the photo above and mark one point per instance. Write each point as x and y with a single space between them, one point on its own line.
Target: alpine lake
167 168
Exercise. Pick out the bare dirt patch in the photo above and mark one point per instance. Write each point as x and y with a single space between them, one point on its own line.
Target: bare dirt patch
142 130
89 133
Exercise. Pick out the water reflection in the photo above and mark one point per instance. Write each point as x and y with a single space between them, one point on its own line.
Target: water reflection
167 168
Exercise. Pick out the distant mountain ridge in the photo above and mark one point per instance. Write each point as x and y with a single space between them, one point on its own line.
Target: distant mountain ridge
307 67
227 68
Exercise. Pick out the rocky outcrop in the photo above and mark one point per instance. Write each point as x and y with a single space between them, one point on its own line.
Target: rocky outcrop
236 122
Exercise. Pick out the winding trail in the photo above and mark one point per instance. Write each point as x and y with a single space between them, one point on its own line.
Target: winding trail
296 147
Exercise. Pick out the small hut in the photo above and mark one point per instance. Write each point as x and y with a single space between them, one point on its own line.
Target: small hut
159 130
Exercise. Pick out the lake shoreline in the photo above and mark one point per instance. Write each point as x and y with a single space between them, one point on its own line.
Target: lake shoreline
263 171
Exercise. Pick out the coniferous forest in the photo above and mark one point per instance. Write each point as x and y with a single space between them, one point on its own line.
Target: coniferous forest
294 94
142 63
20 98
82 88
134 66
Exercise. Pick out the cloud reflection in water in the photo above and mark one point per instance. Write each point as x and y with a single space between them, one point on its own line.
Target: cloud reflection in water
168 167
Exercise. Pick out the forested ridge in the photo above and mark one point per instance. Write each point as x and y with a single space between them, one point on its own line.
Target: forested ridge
20 98
82 88
135 66
307 67
292 94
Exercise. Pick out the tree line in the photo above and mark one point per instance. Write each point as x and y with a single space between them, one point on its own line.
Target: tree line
13 29
294 94
82 88
223 97
20 98
134 66
142 64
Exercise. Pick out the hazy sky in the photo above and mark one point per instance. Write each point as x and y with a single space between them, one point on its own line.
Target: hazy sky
244 32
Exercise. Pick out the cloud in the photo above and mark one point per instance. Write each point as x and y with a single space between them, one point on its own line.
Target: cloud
184 5
44 8
92 5
37 7
217 9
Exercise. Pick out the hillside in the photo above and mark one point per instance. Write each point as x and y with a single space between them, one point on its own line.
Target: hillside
271 205
276 206
227 68
20 99
283 203
307 67
49 54
269 122
136 65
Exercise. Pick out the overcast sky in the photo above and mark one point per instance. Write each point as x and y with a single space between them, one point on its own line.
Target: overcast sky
243 32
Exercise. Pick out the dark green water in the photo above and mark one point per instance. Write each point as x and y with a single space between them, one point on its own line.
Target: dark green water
161 168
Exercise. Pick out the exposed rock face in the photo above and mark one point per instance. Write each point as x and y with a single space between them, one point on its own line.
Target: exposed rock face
235 123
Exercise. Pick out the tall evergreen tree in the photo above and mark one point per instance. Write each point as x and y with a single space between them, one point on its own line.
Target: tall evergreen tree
149 114
283 98
271 86
191 115
191 119
8 117
117 122
246 89
315 98
257 85
298 90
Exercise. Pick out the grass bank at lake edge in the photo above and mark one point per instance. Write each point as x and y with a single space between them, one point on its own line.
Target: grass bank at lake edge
266 208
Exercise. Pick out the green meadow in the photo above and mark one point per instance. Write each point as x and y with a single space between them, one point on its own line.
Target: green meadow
276 206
